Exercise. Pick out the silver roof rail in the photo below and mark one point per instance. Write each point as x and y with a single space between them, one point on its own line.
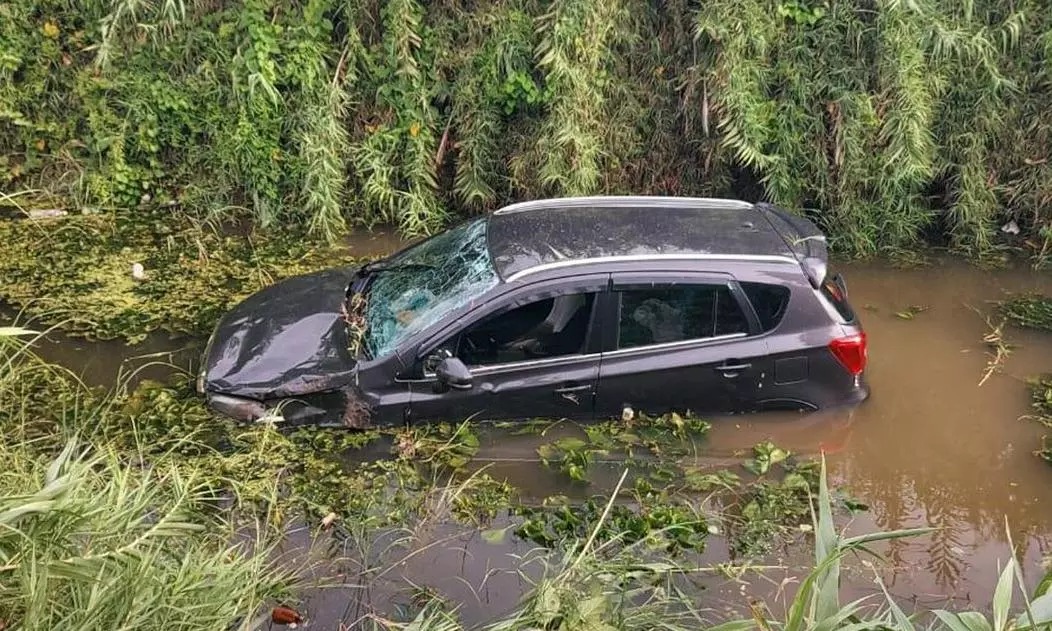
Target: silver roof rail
635 258
614 201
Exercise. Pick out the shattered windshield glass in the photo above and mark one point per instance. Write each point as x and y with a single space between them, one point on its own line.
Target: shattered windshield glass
418 287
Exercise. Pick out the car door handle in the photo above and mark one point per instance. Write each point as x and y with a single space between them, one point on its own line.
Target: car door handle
732 367
569 389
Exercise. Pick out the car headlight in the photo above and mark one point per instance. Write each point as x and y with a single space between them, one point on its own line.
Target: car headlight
203 373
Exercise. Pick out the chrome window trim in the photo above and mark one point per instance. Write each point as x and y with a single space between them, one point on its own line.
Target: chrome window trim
615 201
635 258
675 345
529 363
555 361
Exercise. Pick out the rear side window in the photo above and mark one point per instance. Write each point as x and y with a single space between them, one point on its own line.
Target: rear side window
769 302
834 291
662 315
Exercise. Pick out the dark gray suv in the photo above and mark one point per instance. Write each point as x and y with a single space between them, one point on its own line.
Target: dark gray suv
572 308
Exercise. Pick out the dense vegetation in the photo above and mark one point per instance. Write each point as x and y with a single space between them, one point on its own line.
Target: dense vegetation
892 121
895 119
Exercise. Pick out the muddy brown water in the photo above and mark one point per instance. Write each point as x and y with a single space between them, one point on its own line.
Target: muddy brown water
931 447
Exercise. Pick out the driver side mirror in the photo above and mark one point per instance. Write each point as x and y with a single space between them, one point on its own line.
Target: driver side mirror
452 373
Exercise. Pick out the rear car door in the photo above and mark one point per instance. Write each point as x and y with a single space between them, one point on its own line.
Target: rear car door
682 342
534 352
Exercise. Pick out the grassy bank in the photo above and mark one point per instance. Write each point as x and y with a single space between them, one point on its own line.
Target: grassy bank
94 535
894 121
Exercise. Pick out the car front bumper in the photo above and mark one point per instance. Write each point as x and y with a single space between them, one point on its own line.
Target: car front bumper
238 408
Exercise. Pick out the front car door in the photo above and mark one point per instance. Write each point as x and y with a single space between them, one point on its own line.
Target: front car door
532 352
679 341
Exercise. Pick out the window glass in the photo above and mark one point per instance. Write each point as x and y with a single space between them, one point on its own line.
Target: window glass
423 284
769 302
833 290
551 327
673 314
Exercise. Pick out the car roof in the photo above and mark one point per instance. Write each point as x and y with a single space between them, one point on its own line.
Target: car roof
534 236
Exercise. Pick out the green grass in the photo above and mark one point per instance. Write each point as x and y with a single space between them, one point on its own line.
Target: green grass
92 540
1031 311
97 537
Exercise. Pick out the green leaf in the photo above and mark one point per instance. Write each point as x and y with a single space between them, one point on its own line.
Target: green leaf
734 625
12 331
860 540
1003 596
1046 583
826 546
951 620
496 536
833 622
570 443
1040 608
975 621
902 621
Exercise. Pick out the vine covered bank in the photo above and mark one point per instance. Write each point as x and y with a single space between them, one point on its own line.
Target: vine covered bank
895 120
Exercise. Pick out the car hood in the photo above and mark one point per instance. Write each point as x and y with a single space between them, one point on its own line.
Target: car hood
284 341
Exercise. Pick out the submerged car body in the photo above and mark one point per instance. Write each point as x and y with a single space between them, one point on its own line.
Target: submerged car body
576 307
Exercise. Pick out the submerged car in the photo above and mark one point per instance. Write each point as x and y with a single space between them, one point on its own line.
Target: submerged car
562 308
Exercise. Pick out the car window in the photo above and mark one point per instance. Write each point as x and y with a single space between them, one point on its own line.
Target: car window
551 327
426 282
672 314
769 302
834 292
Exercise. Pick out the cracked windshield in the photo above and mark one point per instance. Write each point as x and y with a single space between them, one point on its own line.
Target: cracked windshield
812 392
423 284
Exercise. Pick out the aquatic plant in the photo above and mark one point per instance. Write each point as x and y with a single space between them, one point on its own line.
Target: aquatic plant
79 272
665 435
609 585
1030 310
617 587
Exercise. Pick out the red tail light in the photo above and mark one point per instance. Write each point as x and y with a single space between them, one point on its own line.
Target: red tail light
850 351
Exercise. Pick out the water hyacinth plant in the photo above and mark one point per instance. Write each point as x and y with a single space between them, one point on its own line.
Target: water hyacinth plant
611 586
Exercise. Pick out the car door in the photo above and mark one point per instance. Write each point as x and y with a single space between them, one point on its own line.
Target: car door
533 352
682 342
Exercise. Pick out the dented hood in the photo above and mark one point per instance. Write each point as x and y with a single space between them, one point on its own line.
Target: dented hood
284 341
